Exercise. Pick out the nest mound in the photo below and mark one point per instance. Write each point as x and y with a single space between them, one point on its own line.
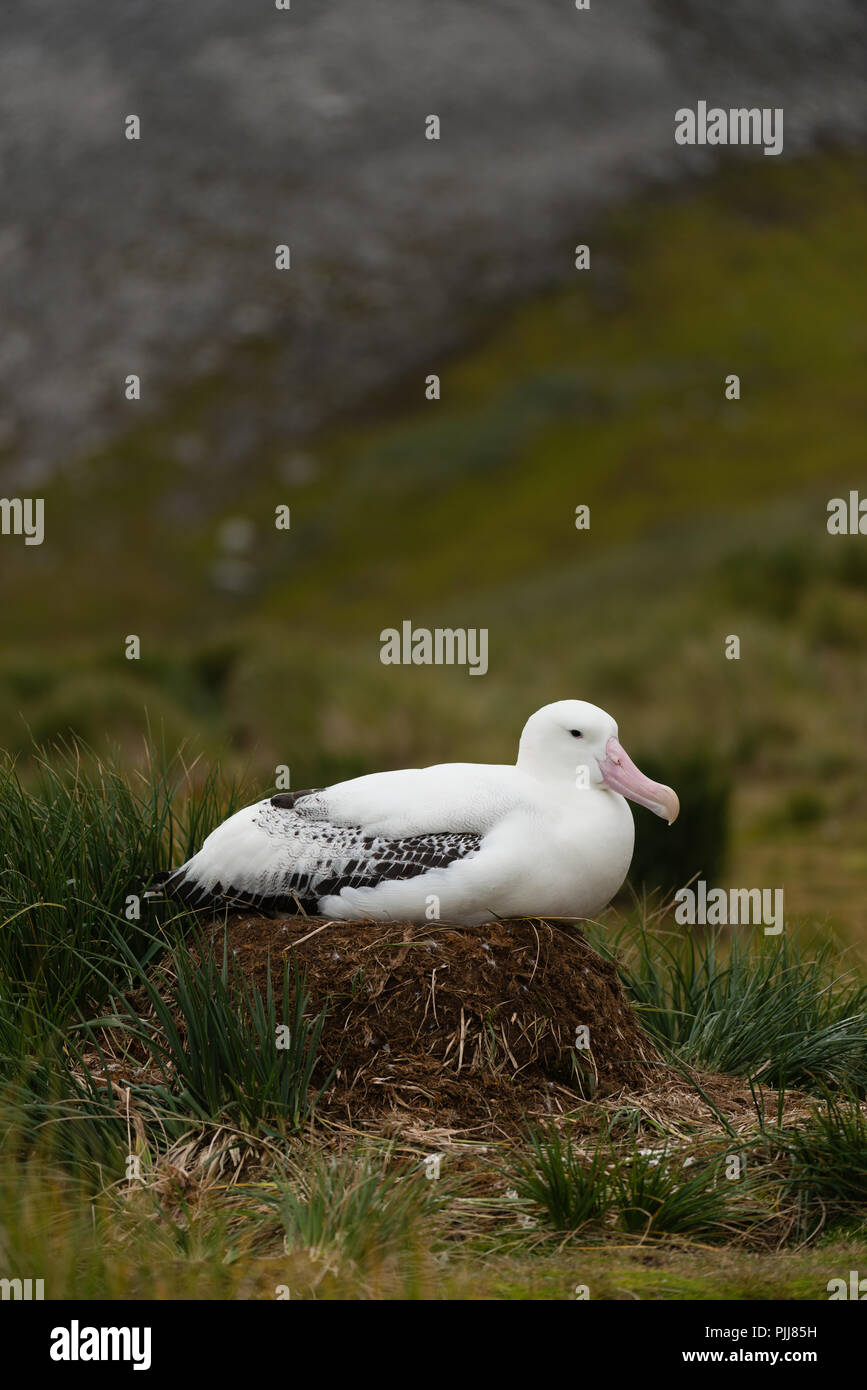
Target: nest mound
464 1028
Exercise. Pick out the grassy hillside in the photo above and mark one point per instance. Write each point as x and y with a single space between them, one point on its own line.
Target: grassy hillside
155 1143
707 518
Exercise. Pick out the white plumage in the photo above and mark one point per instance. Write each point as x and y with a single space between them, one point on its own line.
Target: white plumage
550 835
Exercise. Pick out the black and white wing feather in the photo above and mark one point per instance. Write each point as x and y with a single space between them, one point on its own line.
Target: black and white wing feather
273 857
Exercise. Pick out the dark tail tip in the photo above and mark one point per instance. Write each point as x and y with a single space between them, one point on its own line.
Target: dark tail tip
157 883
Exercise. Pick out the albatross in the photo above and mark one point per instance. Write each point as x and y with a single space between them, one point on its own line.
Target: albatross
548 836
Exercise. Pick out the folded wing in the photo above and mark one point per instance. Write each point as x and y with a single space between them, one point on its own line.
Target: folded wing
275 857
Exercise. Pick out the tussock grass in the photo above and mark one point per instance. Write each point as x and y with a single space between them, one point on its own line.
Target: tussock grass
758 1007
569 1186
820 1169
79 840
147 1243
360 1206
666 1190
222 1048
654 1193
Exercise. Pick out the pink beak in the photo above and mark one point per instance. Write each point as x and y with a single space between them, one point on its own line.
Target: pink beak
621 775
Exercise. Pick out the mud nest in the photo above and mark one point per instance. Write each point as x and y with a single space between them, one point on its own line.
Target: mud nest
463 1027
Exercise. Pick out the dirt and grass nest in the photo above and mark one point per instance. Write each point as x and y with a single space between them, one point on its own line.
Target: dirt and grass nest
463 1025
462 1022
449 1033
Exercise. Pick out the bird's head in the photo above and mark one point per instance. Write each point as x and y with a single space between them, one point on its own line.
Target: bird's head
577 740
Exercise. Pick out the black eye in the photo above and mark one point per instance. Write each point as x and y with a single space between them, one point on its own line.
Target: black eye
576 733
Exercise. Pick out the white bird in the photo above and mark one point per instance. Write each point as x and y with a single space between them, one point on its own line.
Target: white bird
458 842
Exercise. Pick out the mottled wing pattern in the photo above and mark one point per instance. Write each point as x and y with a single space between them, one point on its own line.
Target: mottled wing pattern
314 859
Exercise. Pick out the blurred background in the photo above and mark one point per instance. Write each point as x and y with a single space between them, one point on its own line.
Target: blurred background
306 388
